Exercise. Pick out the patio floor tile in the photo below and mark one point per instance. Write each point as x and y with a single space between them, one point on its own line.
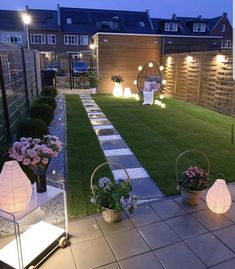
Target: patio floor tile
168 209
109 266
231 213
92 253
158 235
147 261
114 144
225 265
231 188
210 250
227 236
178 256
145 188
84 230
189 208
106 132
93 116
144 215
108 228
186 226
62 258
212 221
100 122
126 161
126 244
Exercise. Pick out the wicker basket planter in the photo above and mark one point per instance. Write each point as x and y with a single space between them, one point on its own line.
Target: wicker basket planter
111 216
190 197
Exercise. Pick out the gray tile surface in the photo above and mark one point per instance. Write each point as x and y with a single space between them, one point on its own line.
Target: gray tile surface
158 235
230 264
147 261
231 213
106 132
168 209
209 249
178 256
92 253
94 116
212 221
144 215
186 226
227 236
110 266
113 144
100 122
126 161
189 208
126 244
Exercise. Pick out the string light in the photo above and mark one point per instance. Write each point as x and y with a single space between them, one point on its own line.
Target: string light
140 68
150 65
161 67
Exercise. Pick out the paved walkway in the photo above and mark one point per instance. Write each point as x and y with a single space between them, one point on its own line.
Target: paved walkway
162 235
117 151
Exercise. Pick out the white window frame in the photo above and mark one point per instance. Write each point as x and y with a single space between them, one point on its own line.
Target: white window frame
49 39
69 20
223 28
66 40
81 39
171 26
18 37
199 27
34 41
227 43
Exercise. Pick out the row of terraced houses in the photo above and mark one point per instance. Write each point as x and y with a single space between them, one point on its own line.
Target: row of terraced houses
71 29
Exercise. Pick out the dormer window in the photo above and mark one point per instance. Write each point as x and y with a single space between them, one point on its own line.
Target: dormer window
69 20
141 24
199 27
171 26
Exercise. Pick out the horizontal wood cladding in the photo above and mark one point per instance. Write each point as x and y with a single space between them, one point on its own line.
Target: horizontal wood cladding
121 55
201 79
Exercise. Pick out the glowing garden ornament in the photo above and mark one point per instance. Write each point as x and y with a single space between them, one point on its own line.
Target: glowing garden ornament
189 58
163 105
161 96
135 82
161 67
117 90
163 81
169 60
218 197
220 58
150 65
140 68
15 188
127 93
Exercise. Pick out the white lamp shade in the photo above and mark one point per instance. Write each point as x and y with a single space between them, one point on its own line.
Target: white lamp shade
127 93
15 188
218 197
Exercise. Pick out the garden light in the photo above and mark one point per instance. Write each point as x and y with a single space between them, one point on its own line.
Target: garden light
150 65
218 197
127 93
220 58
161 96
163 81
163 105
140 68
135 82
117 90
169 60
189 58
161 67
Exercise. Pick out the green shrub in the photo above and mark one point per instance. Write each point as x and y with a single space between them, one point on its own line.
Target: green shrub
31 128
49 91
48 100
43 112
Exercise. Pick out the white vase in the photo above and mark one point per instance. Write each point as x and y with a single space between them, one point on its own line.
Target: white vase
117 90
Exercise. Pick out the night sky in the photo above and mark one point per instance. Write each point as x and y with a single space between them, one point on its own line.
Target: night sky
158 8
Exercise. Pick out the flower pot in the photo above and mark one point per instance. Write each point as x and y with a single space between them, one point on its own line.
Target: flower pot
190 197
40 172
111 215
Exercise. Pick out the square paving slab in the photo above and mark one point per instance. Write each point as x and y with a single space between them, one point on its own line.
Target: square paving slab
231 212
189 208
110 266
126 161
114 144
106 132
227 236
209 249
225 265
93 116
100 122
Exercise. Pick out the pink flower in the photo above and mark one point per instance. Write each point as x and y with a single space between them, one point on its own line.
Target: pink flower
26 161
36 160
20 158
45 160
50 151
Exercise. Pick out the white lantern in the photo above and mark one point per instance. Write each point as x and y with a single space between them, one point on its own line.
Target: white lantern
15 188
140 67
161 67
127 93
163 81
161 96
117 90
218 197
150 65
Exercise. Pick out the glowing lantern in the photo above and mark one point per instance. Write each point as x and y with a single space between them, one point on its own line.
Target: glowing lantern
140 68
15 188
117 90
218 197
161 96
161 67
127 93
150 64
163 81
163 105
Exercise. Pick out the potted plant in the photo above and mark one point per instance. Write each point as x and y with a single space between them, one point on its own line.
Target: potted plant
36 154
117 79
113 198
117 90
94 79
192 182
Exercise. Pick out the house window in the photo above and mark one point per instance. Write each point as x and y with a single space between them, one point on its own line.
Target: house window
227 44
69 20
223 27
107 25
199 27
141 24
13 38
171 26
51 39
70 39
84 40
38 39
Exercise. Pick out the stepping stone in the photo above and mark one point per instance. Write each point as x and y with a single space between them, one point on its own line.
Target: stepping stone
100 122
103 127
132 172
93 110
109 137
106 132
114 144
118 152
126 161
92 116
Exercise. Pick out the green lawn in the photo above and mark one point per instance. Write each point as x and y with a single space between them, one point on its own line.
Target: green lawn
84 154
157 136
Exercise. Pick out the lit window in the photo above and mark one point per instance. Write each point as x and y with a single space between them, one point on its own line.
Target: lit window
84 40
70 39
107 24
69 20
223 27
51 39
13 38
141 24
199 27
171 26
38 39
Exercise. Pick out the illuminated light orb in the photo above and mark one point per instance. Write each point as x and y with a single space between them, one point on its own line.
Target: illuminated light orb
161 67
140 68
15 188
218 197
161 96
163 81
189 58
150 64
26 19
92 46
80 55
135 82
163 105
220 58
127 93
